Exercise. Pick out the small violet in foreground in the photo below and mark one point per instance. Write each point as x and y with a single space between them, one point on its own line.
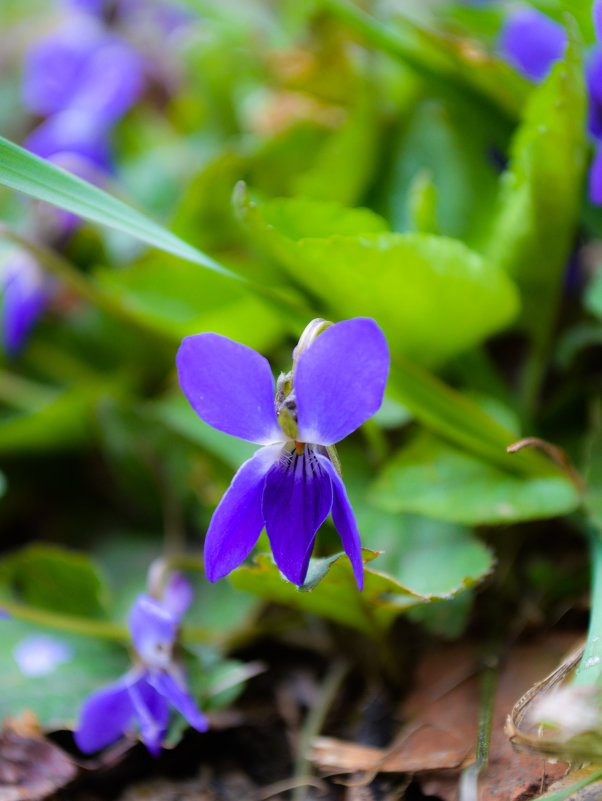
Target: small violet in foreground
292 483
145 693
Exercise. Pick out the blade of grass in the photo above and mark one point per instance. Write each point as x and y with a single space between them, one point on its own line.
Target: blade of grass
26 173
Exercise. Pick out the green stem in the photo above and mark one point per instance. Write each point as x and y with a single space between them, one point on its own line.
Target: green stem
88 627
315 720
469 790
590 667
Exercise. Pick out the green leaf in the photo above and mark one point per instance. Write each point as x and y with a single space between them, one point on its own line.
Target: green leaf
404 281
56 697
58 580
190 301
336 596
433 557
24 172
459 419
354 142
303 217
61 424
541 191
429 477
443 179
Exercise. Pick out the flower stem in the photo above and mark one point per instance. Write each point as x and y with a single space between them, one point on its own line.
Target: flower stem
88 627
315 719
590 667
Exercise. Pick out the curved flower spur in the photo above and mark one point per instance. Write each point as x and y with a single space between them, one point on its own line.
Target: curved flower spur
292 483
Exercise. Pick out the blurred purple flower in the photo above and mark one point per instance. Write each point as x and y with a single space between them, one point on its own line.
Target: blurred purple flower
157 681
79 144
40 655
83 137
82 66
26 291
597 16
593 73
291 484
531 41
88 6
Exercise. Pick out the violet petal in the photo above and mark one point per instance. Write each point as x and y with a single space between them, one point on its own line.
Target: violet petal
344 521
177 595
179 697
296 500
340 380
238 520
229 386
105 716
153 630
152 713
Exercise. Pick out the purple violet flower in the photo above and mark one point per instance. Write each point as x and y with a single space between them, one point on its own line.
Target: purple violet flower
83 137
87 6
145 693
292 483
26 291
82 66
593 74
79 143
531 41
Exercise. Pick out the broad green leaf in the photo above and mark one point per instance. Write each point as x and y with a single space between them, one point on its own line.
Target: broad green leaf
55 698
189 302
406 282
58 580
336 596
302 217
541 191
433 557
24 172
447 145
429 477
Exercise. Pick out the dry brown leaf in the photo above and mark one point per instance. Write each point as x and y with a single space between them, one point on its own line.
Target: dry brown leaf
408 756
447 695
442 715
31 767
